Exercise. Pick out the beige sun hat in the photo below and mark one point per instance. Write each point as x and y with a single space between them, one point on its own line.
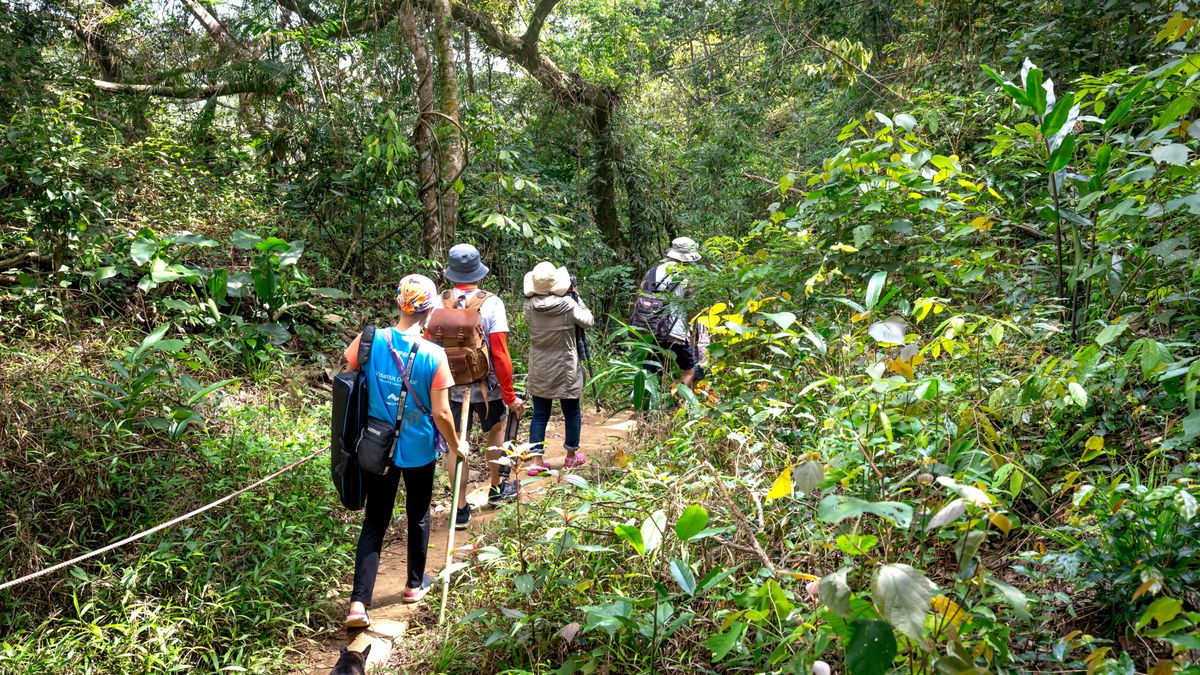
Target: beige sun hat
684 249
546 279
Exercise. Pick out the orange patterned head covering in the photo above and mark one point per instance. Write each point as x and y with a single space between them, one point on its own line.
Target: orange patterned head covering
415 294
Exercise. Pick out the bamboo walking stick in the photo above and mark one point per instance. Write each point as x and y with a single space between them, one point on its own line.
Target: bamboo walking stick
464 417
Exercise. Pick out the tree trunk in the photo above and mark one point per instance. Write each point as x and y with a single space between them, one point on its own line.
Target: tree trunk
603 186
423 132
452 161
467 58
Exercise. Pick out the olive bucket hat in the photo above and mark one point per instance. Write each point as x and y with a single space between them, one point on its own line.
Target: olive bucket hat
684 249
464 266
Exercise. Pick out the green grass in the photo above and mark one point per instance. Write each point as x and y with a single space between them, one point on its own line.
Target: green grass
228 591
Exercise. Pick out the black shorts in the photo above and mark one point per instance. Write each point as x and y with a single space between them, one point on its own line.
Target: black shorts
682 352
489 414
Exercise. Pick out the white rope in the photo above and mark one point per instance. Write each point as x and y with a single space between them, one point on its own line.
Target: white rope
157 528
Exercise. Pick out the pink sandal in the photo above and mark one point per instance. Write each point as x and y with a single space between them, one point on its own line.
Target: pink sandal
578 459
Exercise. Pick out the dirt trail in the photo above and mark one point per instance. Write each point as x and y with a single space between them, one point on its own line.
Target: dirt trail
390 617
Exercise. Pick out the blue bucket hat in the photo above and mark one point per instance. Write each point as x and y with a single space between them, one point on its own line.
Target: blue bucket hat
464 266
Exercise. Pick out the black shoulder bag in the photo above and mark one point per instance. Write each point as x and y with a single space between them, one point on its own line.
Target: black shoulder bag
377 443
349 415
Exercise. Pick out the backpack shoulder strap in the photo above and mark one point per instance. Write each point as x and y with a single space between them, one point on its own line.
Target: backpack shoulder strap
364 345
448 299
477 299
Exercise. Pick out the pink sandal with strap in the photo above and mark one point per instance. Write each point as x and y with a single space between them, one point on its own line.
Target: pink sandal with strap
576 460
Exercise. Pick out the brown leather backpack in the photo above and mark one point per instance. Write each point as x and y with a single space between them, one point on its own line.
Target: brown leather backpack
459 330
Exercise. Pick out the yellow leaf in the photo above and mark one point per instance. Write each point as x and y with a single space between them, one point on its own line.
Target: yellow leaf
802 576
786 295
1001 522
717 308
859 317
782 486
995 194
844 248
1150 586
949 611
901 367
1095 443
1162 668
982 223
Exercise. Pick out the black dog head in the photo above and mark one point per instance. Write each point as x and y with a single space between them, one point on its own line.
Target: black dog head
351 663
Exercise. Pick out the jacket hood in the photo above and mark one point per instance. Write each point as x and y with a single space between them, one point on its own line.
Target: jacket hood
550 304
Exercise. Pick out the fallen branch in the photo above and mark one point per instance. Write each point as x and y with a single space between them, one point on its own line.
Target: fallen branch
773 183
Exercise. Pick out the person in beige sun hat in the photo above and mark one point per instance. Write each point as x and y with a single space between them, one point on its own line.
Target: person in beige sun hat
546 279
553 314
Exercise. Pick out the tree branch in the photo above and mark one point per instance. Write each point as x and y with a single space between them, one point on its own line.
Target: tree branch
215 29
538 19
183 92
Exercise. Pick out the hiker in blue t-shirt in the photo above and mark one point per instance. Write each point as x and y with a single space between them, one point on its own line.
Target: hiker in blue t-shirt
416 441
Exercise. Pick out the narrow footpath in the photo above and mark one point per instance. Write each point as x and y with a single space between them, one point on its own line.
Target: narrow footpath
601 437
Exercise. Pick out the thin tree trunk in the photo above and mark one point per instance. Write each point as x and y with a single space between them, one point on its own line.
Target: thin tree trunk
603 185
423 132
452 160
466 38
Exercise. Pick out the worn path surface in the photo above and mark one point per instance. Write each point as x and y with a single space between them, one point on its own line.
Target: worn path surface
390 617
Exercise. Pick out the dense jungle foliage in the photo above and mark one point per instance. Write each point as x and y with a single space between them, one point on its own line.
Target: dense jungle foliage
951 420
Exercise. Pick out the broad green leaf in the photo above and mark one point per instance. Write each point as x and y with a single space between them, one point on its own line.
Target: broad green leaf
1035 94
1078 394
874 289
683 576
244 239
331 293
782 487
948 514
275 331
836 508
691 522
835 592
1061 156
150 340
1058 115
1161 611
808 477
1125 104
632 535
1111 332
524 584
905 121
1172 153
903 594
142 250
782 319
722 643
653 528
856 544
871 648
1009 88
889 331
1012 595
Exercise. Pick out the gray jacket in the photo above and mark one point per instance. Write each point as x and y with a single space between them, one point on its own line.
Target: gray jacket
554 368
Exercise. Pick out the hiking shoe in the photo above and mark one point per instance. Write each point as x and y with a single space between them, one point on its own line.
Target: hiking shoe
358 620
413 595
462 518
506 491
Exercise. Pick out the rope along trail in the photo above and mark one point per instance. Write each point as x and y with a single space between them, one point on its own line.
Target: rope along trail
158 528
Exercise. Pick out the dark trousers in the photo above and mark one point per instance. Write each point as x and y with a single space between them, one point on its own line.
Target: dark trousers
541 419
381 500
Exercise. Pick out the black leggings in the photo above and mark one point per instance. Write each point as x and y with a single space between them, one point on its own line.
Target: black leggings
381 500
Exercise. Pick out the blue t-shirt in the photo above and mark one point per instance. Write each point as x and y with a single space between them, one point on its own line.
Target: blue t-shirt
415 444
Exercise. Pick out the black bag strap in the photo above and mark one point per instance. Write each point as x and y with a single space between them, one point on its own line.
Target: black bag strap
652 284
412 354
364 345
